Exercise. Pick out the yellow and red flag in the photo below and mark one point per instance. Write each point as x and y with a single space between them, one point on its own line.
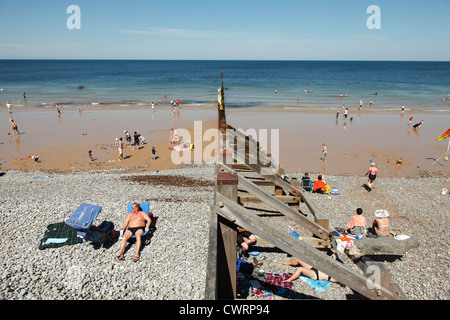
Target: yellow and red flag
446 134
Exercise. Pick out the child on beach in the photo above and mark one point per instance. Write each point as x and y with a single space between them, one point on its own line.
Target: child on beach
127 137
136 141
153 153
90 155
324 152
14 125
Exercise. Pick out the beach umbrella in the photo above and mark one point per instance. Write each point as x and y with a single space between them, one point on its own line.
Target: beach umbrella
446 134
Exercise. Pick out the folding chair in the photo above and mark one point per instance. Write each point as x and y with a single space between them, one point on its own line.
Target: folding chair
306 184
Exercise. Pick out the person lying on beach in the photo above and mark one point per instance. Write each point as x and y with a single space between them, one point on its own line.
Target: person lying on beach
244 245
35 158
307 271
319 185
135 224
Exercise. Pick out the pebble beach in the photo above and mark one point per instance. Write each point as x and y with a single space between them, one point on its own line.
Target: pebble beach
173 263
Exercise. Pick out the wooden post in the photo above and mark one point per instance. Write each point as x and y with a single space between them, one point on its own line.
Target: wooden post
226 259
227 186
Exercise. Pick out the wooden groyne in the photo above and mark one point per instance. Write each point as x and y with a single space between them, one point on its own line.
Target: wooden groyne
228 212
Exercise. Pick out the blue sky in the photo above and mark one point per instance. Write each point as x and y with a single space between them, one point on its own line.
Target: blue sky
229 29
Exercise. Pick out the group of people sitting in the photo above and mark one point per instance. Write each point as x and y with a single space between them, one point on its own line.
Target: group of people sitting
318 186
380 226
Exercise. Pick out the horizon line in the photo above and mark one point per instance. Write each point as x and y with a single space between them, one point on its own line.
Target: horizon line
275 60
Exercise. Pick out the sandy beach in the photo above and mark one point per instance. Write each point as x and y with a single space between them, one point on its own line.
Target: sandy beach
384 137
48 191
63 141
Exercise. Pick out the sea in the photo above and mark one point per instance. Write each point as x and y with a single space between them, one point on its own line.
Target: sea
289 84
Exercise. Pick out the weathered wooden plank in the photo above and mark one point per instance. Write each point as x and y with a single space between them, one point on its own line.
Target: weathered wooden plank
252 199
279 205
211 292
300 249
269 174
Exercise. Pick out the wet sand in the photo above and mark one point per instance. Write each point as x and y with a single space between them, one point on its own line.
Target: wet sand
62 142
381 136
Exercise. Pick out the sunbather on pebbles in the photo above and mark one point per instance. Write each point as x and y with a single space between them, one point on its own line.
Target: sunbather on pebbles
135 224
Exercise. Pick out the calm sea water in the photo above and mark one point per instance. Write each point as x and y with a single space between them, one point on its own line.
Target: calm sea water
249 83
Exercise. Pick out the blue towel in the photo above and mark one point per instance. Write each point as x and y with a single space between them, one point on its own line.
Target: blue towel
55 240
319 285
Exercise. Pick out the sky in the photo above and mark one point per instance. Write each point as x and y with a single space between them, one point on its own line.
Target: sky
226 30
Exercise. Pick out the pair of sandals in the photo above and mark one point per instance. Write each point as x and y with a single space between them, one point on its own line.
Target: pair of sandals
121 258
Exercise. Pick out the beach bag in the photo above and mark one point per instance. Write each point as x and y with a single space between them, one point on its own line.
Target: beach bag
104 230
243 266
106 226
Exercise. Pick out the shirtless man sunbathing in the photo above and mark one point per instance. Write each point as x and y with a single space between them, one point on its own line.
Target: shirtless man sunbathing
135 224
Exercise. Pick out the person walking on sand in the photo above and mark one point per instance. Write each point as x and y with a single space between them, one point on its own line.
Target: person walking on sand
8 106
372 173
120 149
136 141
153 153
324 153
14 125
127 137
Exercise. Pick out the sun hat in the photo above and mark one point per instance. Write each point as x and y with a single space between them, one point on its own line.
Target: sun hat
372 164
381 213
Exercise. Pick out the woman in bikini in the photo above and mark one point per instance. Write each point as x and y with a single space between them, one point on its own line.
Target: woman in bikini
373 173
307 271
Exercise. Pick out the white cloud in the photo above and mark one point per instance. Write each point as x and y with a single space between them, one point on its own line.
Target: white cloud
179 33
